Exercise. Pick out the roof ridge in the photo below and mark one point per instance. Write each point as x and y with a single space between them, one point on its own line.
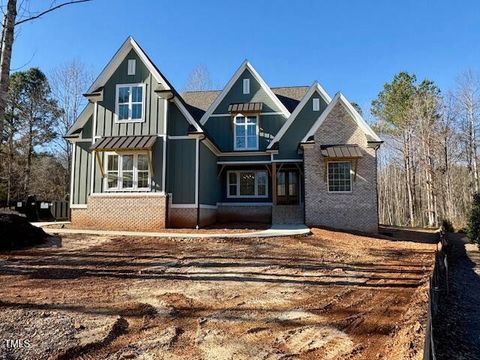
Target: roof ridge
292 86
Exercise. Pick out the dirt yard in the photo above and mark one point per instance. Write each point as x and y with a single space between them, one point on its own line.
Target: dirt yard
330 295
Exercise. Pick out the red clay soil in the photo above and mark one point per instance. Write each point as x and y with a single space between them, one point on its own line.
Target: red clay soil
330 295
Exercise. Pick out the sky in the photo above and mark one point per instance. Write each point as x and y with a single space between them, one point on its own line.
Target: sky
350 46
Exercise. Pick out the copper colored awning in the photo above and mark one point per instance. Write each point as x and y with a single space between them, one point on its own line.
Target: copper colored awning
253 107
341 151
124 143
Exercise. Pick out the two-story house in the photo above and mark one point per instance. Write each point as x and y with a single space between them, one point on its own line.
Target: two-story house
146 157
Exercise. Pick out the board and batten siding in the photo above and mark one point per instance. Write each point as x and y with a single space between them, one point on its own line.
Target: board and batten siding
209 181
220 128
81 172
181 170
152 123
288 144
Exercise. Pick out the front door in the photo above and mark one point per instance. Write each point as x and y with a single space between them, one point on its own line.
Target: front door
287 187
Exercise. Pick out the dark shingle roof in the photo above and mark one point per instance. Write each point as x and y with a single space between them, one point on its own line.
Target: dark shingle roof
199 101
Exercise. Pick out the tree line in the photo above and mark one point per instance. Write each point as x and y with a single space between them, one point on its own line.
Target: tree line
428 168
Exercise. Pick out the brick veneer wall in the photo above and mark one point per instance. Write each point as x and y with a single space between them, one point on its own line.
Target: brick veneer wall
287 214
122 212
187 217
256 214
351 211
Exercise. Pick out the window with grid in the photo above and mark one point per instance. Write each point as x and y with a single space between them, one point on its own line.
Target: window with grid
247 184
340 176
246 132
127 172
129 102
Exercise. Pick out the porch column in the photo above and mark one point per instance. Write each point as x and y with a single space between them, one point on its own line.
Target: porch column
274 183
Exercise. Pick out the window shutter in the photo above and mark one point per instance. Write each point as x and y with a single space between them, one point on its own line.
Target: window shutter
131 66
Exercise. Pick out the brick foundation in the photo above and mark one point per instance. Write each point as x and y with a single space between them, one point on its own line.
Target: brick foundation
255 214
187 217
287 214
136 212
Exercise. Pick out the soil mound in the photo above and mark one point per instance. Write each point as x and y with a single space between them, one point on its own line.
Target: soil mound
16 233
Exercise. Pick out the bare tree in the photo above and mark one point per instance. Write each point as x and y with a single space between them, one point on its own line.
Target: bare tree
199 79
10 21
68 82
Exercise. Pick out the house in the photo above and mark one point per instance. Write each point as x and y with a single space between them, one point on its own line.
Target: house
146 157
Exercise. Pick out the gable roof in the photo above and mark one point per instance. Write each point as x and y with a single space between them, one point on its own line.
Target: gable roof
245 66
316 87
340 99
80 121
198 102
119 56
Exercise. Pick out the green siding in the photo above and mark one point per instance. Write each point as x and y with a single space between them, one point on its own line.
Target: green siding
220 129
177 124
245 158
157 163
209 182
181 170
288 144
87 129
81 175
257 94
154 107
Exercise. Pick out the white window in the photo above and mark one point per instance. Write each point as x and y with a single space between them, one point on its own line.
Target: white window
129 102
246 86
132 64
316 104
250 184
127 172
340 176
245 132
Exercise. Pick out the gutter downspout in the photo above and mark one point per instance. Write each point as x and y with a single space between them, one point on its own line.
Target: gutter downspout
199 142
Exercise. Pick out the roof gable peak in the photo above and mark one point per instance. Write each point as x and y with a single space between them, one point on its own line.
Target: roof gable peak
115 61
246 65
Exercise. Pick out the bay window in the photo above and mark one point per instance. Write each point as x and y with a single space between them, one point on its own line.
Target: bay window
245 132
252 184
127 172
129 102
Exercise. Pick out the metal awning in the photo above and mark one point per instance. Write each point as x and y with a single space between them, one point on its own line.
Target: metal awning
254 107
341 151
141 142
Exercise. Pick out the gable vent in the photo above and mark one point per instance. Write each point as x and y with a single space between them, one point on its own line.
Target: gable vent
131 66
246 86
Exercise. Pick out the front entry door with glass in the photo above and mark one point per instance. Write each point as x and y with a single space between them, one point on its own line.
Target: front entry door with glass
287 187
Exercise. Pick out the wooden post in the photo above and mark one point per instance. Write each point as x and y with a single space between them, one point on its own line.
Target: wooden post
274 183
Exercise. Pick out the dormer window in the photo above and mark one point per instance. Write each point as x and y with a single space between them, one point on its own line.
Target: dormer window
245 132
246 86
129 102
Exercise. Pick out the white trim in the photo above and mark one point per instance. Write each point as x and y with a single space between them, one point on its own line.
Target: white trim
245 66
130 103
93 154
72 173
192 206
237 184
117 59
75 140
315 88
78 206
244 204
180 137
261 114
131 66
242 162
339 98
187 114
197 163
82 118
351 177
245 153
130 194
245 125
164 146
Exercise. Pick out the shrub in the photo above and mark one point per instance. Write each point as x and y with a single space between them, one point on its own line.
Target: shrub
447 226
473 226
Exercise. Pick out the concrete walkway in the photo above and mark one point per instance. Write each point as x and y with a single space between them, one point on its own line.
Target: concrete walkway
274 231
